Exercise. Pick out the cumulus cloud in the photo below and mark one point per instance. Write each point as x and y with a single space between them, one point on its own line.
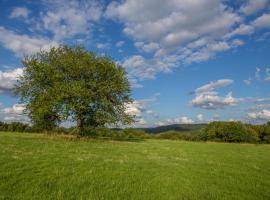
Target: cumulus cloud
210 50
174 22
59 19
243 29
8 79
15 109
263 115
183 120
150 47
253 6
69 18
177 32
139 108
24 44
14 113
212 101
174 25
19 12
213 86
135 108
140 68
178 120
207 98
262 21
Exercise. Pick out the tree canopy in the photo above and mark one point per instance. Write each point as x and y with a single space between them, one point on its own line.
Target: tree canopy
73 83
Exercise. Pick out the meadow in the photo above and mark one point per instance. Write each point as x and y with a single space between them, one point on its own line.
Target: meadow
36 166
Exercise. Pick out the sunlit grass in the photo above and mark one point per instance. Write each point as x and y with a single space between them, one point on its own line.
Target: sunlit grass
35 166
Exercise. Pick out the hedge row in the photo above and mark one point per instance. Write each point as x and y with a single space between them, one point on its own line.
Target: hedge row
214 131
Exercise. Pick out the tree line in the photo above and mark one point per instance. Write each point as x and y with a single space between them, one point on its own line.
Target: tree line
232 132
236 132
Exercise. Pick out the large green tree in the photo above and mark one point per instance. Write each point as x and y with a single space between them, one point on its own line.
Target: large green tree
71 82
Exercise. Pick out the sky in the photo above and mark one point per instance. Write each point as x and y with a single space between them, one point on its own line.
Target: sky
188 61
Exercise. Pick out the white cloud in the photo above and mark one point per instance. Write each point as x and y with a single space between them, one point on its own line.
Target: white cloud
134 82
174 25
150 47
260 115
102 45
207 98
174 22
69 18
200 117
135 108
178 120
120 43
197 43
253 6
183 120
213 86
210 50
139 108
15 109
259 76
212 101
243 29
14 113
260 107
23 44
140 68
19 12
267 78
8 79
262 21
175 31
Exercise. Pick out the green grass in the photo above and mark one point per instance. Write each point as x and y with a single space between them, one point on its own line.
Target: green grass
35 166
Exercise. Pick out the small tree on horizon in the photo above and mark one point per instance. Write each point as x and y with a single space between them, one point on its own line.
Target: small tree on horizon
71 82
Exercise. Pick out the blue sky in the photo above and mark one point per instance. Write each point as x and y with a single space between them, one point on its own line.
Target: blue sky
188 61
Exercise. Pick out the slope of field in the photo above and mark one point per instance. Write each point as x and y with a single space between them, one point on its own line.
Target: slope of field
39 167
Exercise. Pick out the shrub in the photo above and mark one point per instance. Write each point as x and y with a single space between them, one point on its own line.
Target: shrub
125 134
263 132
229 132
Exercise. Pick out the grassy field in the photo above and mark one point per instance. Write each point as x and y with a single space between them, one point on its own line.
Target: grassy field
39 167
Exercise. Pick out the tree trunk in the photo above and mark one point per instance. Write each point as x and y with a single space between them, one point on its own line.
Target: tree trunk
79 126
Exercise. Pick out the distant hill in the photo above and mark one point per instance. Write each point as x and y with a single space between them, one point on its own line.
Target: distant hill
174 127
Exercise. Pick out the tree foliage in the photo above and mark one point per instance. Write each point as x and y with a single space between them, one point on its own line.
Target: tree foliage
73 83
230 132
